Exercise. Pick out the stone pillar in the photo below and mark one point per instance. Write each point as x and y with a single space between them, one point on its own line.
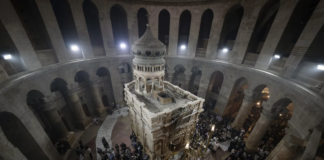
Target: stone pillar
106 28
244 33
312 144
53 30
19 36
154 21
82 121
308 35
193 35
244 111
52 116
259 130
203 86
81 27
278 26
174 32
287 148
100 108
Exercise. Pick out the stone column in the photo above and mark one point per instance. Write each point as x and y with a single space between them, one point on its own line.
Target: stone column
308 35
100 108
3 75
287 148
193 35
278 26
81 27
244 111
174 32
259 130
52 116
53 30
82 121
312 144
19 36
203 86
245 32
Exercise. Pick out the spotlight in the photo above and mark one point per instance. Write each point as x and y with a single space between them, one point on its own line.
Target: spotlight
225 50
258 103
122 45
276 56
75 48
7 56
320 67
183 47
268 96
280 114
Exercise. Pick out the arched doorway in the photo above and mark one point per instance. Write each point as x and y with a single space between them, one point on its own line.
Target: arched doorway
184 31
214 87
164 26
19 136
106 85
35 100
179 76
83 78
142 21
236 97
204 32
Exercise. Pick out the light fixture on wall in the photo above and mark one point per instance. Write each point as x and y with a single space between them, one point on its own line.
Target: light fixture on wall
225 50
7 56
122 45
183 47
75 48
320 67
276 56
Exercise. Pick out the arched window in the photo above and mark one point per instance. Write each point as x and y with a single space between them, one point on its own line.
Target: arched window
184 30
118 19
204 31
91 16
230 28
65 21
164 26
142 21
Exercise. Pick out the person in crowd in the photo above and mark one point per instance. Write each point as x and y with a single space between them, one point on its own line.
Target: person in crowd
88 150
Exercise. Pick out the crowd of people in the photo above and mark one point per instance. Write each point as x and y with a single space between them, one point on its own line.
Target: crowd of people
122 151
224 132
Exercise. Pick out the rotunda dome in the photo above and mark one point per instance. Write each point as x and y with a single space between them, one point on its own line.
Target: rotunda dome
148 46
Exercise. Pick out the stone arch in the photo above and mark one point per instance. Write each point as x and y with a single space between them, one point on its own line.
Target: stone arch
230 27
118 17
142 21
214 87
184 30
20 137
236 97
105 85
204 32
91 15
59 85
179 76
164 26
82 77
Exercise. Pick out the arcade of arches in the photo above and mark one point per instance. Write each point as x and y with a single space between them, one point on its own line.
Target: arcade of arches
258 64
